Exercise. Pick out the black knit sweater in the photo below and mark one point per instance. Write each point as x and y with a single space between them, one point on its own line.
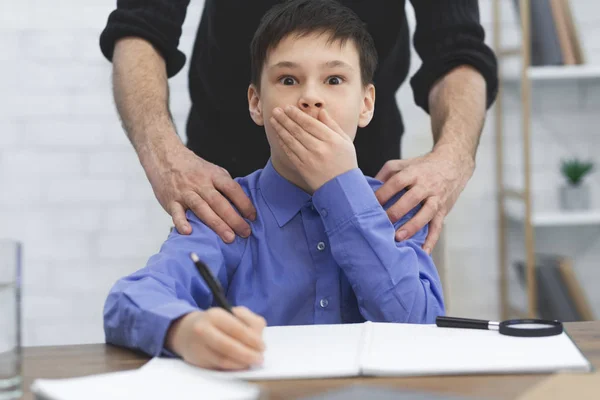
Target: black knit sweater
219 128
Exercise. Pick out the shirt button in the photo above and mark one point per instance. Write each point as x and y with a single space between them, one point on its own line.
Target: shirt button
324 303
323 212
320 246
312 208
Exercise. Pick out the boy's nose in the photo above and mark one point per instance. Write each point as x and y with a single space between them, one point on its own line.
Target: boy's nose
305 105
310 104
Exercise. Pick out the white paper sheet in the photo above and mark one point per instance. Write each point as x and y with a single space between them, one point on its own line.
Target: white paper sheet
169 379
406 349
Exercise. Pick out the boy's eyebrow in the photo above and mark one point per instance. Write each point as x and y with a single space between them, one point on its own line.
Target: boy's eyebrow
337 63
285 64
328 64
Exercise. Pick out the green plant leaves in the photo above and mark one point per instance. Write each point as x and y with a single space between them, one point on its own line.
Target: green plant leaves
575 170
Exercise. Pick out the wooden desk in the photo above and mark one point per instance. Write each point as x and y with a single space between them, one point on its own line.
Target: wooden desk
71 361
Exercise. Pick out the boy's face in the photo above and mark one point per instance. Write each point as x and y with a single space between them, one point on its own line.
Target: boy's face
312 74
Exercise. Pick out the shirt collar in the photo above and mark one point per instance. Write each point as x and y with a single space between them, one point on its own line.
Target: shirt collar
283 198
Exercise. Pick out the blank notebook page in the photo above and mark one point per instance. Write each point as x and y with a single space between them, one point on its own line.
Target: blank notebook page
406 349
308 351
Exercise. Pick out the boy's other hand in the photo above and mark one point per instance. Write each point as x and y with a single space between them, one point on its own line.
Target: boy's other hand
181 180
216 339
317 147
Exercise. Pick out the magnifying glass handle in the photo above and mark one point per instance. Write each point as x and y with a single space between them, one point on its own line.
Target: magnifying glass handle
467 323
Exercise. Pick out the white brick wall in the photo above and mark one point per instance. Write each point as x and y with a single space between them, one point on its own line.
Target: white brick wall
73 191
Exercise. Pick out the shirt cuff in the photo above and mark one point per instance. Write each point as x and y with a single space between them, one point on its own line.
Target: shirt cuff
343 197
152 331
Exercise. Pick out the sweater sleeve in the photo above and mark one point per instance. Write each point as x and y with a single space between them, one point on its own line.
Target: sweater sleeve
448 34
157 21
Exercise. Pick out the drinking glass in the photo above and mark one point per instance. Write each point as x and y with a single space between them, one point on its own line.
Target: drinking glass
10 319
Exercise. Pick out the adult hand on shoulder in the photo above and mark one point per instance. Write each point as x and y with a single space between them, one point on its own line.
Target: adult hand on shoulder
216 339
318 147
435 180
181 180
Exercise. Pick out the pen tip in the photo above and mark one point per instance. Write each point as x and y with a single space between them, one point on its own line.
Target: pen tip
194 257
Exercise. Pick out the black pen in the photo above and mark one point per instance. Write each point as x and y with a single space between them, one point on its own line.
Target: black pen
213 284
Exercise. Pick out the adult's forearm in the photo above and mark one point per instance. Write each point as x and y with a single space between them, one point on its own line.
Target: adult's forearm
457 106
141 95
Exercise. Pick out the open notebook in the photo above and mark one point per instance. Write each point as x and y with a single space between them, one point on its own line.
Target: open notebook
323 351
320 351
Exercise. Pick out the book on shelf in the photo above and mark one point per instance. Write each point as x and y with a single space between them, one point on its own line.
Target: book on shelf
559 294
545 46
553 35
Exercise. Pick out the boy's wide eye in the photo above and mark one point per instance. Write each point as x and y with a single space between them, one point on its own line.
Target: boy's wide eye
287 80
334 80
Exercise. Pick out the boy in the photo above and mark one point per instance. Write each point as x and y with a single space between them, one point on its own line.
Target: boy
322 249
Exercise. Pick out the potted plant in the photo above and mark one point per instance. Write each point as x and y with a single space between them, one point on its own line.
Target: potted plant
575 194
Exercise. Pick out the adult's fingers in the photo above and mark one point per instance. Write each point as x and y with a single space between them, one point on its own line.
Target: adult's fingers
234 192
435 229
412 198
419 220
393 186
180 221
204 212
223 209
390 168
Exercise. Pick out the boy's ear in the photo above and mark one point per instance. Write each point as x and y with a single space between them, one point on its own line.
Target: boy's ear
255 106
368 106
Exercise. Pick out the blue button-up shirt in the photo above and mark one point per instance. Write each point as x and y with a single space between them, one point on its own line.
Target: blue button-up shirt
327 259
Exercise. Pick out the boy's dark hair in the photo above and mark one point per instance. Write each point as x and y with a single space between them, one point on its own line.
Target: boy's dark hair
304 17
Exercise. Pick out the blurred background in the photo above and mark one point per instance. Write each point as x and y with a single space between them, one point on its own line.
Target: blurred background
73 192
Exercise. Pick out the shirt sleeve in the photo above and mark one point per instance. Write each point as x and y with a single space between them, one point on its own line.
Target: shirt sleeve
141 307
448 34
157 21
393 281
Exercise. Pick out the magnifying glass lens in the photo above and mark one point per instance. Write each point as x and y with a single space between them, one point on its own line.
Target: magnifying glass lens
531 326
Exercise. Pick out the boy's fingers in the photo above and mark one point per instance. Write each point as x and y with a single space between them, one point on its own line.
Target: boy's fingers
236 329
307 140
216 360
330 122
254 321
220 343
311 125
288 152
288 139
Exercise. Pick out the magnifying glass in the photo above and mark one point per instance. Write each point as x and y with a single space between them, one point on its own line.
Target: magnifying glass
512 327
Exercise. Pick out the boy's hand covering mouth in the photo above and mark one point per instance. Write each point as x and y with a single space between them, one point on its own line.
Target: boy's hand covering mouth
317 147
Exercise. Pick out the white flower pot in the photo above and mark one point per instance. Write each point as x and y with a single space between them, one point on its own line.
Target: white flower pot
574 197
